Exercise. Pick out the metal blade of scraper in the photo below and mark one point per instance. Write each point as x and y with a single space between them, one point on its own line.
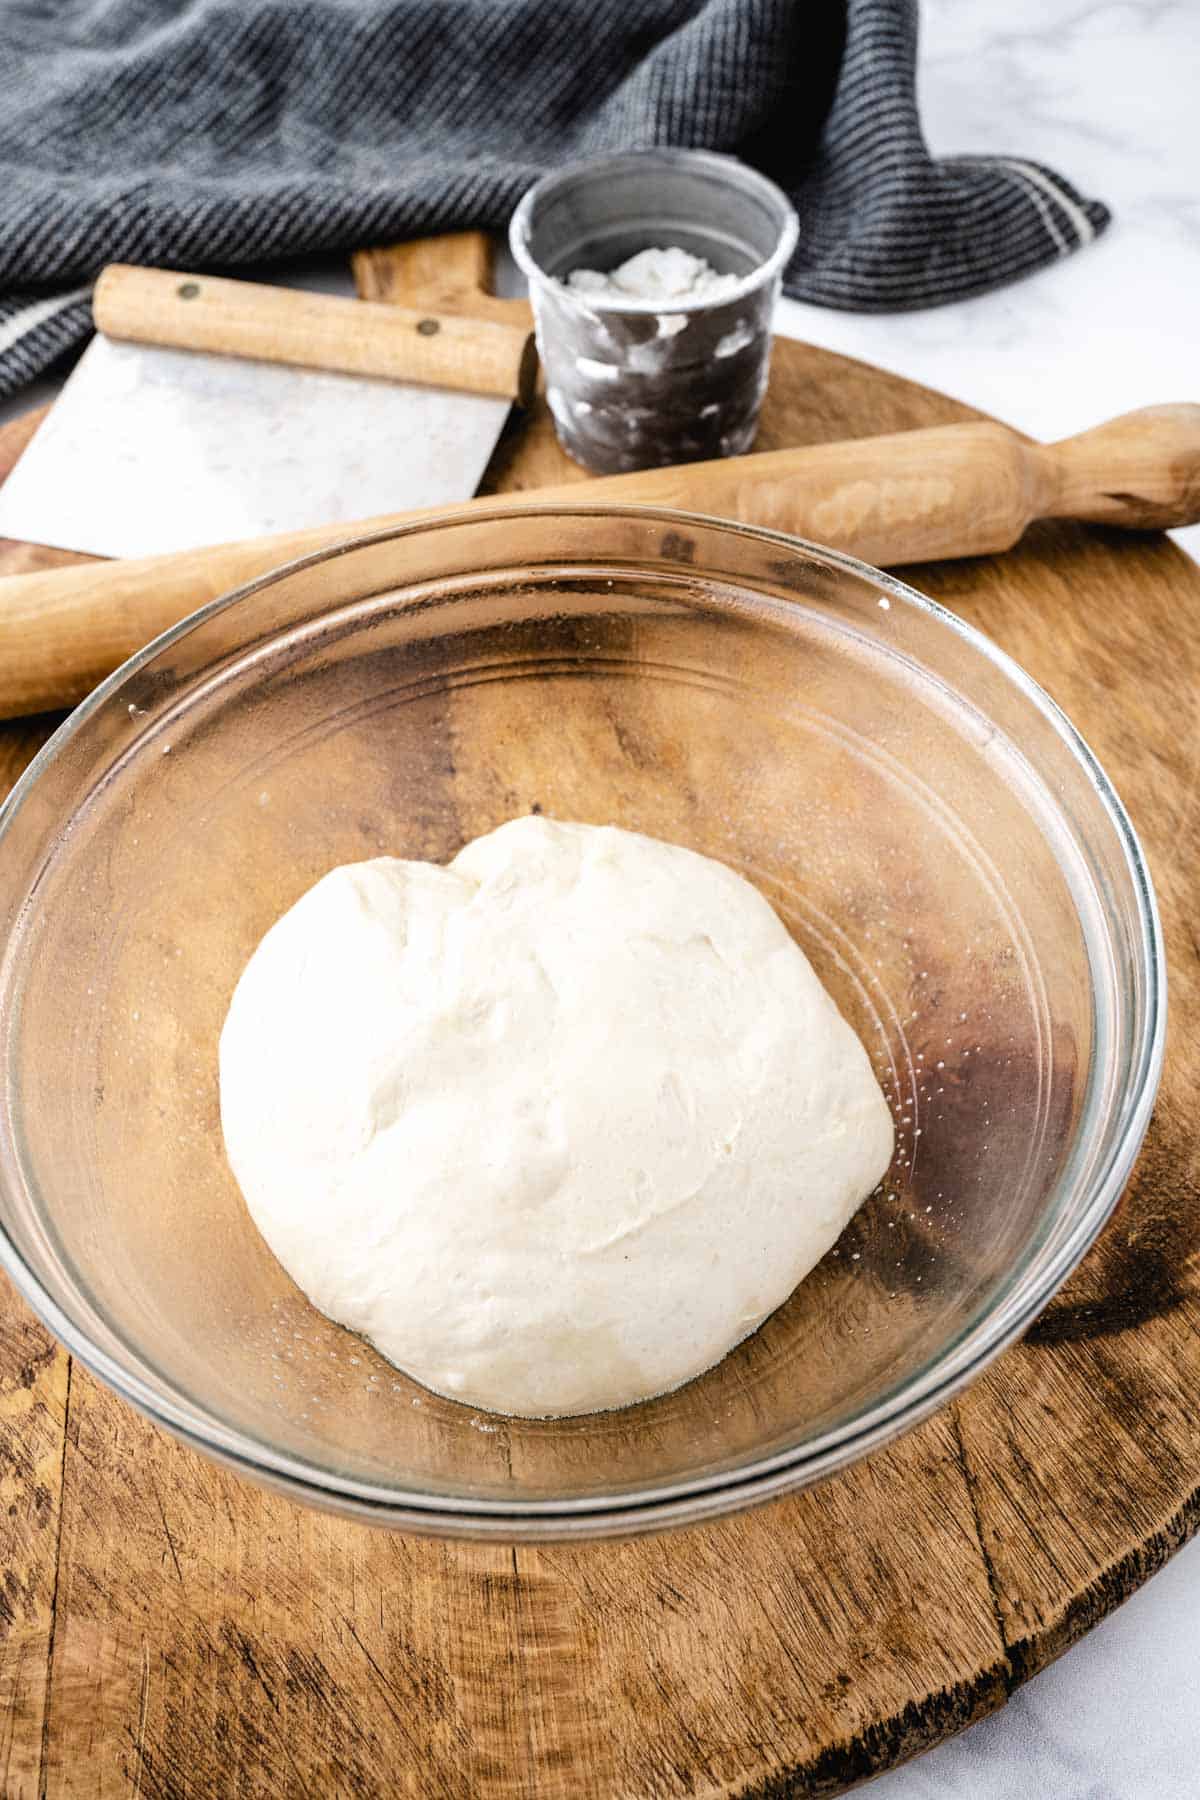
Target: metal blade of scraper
148 450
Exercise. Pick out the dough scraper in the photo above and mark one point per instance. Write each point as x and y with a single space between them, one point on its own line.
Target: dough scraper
207 410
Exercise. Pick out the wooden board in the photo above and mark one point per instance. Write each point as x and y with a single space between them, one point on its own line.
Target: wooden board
167 1630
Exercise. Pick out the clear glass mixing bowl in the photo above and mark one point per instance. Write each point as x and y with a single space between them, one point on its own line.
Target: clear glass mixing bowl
937 837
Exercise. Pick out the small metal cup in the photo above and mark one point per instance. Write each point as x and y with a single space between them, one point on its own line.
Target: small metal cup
635 383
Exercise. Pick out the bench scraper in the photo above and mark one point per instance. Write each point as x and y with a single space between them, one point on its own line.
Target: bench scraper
154 447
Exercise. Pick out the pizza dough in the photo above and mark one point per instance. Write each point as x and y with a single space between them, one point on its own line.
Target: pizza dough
555 1126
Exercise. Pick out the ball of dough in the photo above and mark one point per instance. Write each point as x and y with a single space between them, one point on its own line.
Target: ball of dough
555 1126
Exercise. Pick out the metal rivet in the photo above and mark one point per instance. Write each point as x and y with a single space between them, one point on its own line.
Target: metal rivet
428 327
187 290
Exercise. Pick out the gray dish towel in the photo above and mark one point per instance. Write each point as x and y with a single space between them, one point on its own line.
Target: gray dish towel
219 133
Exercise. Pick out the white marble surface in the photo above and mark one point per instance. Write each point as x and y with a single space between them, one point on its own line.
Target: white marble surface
1108 91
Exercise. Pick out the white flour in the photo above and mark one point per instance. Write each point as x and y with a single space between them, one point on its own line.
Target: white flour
656 276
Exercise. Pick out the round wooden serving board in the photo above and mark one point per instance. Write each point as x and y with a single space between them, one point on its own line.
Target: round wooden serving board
168 1630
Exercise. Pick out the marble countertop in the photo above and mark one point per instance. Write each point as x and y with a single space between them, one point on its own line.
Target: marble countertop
1108 92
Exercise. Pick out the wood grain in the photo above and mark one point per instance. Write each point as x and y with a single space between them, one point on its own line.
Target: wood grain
171 1631
453 273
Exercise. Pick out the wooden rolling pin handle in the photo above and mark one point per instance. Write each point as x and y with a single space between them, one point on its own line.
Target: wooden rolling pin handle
316 331
1141 471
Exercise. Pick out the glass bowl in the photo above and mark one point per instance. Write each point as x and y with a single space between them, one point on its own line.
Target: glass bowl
935 834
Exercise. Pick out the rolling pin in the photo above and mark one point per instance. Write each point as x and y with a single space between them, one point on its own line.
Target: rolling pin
913 496
316 331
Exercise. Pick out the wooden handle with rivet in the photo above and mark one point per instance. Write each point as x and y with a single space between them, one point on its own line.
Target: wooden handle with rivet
316 331
915 496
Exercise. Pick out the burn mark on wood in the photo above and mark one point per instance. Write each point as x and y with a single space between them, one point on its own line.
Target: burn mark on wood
678 548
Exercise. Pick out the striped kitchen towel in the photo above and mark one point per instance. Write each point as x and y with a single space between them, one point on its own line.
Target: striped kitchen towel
221 133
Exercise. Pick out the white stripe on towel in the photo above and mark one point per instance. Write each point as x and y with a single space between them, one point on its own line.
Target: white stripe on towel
15 328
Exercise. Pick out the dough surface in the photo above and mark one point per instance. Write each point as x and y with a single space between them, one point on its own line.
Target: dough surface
555 1126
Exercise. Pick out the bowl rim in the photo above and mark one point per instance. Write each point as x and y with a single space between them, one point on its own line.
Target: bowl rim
696 1498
